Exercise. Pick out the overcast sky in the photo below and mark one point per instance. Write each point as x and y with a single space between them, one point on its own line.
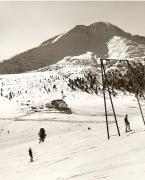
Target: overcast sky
24 25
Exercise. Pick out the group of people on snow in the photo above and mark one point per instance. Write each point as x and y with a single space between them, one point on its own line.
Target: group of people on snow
42 135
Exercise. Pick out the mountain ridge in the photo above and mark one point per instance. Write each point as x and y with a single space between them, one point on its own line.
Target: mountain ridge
76 41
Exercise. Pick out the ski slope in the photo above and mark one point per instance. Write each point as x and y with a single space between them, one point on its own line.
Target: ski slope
71 151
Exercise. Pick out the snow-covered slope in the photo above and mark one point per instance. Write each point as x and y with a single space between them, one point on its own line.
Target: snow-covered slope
123 48
53 40
76 41
29 88
75 66
71 151
76 146
47 83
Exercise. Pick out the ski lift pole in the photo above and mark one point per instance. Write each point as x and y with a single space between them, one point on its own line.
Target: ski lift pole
136 94
105 105
111 99
140 109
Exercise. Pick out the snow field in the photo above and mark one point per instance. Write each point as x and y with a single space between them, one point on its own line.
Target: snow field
71 151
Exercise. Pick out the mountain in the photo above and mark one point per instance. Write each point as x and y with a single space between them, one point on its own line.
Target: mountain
103 39
47 83
71 75
121 48
23 112
74 66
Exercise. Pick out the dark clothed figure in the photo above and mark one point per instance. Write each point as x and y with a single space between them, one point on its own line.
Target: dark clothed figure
127 124
31 155
42 135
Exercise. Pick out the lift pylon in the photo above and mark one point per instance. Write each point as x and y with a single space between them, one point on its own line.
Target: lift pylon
106 87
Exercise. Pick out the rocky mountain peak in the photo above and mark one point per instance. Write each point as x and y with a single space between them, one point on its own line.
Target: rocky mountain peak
102 38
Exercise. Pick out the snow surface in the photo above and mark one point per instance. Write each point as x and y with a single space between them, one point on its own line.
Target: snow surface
121 48
71 151
75 66
35 88
58 37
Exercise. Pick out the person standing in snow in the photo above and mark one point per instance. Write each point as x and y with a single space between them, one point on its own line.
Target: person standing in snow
127 124
31 155
42 135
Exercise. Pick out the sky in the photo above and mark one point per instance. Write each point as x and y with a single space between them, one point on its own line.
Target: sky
24 25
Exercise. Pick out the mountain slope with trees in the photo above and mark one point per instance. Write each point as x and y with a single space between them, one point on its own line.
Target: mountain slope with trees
79 40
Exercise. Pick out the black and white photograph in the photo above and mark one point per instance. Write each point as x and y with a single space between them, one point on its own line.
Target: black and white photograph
72 90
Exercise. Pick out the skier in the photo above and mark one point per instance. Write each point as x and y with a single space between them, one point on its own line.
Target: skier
31 155
42 135
127 124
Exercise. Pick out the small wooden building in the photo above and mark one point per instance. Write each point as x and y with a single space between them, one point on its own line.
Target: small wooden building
59 103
